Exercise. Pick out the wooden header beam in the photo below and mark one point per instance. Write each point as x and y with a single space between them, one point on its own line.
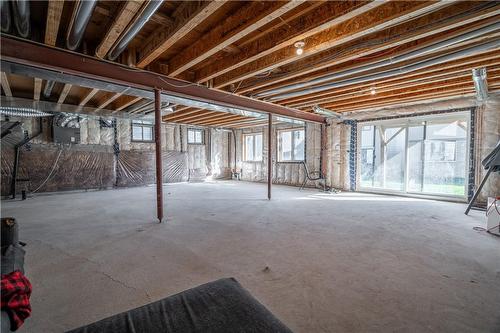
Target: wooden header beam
70 63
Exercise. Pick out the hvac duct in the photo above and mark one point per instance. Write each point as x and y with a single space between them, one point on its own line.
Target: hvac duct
5 15
47 91
79 22
22 112
126 38
480 83
398 71
431 48
21 11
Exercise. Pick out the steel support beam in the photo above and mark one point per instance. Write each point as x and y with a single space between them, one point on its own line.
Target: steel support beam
269 155
70 63
159 171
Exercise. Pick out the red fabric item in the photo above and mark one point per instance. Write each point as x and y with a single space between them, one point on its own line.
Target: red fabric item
16 291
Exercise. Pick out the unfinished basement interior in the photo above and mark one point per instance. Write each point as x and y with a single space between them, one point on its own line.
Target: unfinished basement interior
250 166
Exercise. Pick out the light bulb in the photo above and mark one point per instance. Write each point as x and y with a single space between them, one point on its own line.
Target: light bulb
299 51
373 91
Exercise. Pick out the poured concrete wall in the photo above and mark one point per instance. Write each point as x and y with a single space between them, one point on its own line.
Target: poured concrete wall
92 164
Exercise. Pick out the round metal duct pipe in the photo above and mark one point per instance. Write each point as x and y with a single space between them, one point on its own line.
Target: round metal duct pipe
480 83
79 23
22 112
398 71
5 16
21 10
127 37
431 48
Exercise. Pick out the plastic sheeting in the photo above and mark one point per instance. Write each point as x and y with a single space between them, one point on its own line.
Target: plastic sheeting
58 168
51 168
137 167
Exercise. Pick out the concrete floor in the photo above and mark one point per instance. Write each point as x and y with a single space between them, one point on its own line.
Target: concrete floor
349 262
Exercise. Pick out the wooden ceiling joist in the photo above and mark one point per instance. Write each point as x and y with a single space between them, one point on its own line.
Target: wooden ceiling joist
187 17
251 17
196 115
37 88
224 121
447 84
321 18
483 59
64 93
219 119
397 38
6 85
180 114
130 10
54 12
376 19
126 101
107 99
88 96
398 81
139 83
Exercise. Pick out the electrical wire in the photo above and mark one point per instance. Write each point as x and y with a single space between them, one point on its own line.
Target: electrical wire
51 171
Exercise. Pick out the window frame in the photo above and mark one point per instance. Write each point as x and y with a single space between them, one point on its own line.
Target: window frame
201 130
142 125
253 135
279 144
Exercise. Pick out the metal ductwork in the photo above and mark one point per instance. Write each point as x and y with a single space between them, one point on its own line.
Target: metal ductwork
22 112
5 16
21 11
404 57
327 113
47 91
398 71
79 22
132 31
480 83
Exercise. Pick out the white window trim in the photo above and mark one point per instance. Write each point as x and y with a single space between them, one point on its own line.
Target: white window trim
293 160
407 122
201 130
139 123
253 135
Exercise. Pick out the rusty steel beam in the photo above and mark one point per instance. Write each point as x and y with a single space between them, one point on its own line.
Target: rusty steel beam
63 61
159 172
269 155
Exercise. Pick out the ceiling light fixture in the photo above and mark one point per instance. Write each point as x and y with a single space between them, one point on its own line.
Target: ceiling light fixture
373 91
299 47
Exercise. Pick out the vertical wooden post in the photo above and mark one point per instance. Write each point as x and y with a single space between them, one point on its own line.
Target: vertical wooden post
269 155
159 171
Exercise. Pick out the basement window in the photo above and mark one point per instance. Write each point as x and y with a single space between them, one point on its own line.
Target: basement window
291 145
252 147
195 136
142 131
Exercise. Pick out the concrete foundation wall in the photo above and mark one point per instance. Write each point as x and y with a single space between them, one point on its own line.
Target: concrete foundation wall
92 164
